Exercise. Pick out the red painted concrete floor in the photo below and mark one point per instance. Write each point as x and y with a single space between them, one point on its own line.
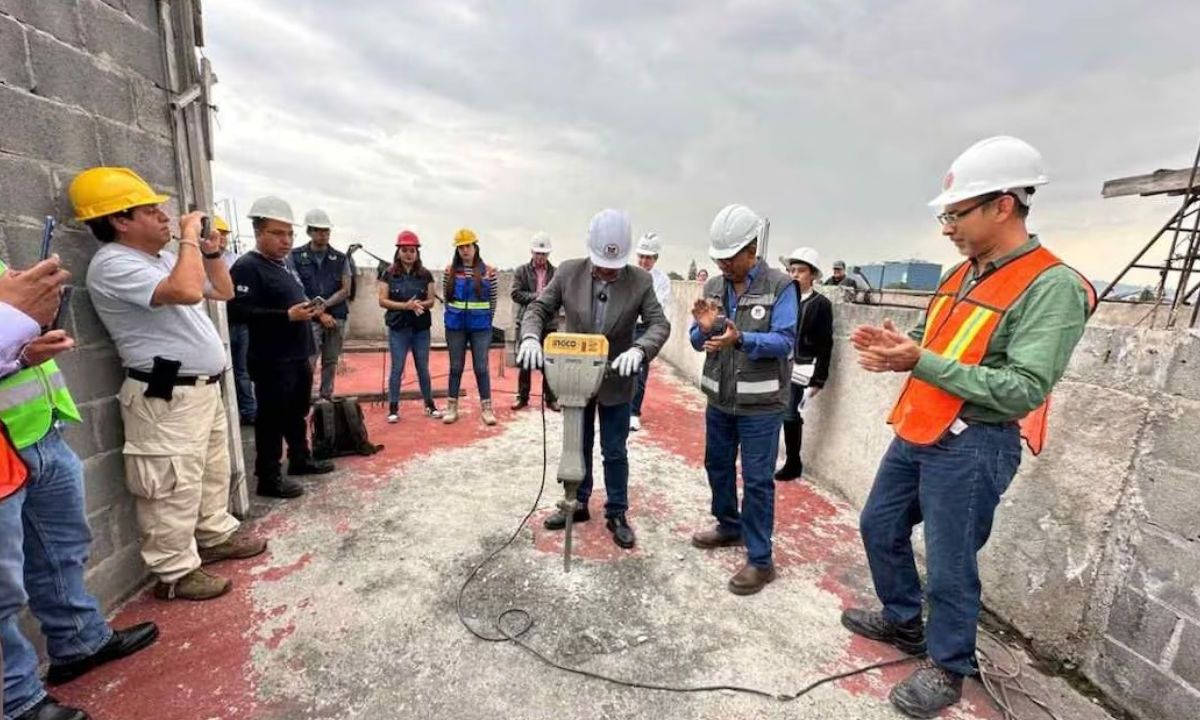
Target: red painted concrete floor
222 659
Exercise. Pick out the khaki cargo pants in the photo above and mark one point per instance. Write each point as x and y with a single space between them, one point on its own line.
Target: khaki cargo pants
177 468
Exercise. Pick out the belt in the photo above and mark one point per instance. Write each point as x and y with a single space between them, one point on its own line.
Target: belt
182 380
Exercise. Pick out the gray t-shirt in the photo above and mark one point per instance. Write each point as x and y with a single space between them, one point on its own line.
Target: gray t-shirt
121 282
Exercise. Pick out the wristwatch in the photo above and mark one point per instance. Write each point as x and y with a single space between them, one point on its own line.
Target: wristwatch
212 255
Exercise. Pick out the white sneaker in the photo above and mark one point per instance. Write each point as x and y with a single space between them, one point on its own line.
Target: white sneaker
393 419
635 423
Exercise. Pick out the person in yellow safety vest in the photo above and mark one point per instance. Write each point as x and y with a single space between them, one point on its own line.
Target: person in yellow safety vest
993 342
44 534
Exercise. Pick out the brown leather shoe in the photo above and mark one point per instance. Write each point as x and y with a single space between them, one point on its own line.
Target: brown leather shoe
750 579
709 539
237 547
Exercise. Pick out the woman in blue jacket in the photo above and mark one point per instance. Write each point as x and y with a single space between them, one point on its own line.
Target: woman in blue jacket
406 292
470 295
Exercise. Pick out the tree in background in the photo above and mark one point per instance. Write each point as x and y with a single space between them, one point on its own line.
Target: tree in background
692 271
674 275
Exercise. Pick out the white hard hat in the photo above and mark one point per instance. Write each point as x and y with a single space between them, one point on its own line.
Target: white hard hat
317 218
272 208
997 164
609 239
649 244
540 243
735 227
805 255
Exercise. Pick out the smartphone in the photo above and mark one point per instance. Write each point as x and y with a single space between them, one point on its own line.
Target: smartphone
205 227
317 302
47 236
64 304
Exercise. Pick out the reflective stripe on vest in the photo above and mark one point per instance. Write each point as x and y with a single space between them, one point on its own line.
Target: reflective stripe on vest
472 305
30 398
961 329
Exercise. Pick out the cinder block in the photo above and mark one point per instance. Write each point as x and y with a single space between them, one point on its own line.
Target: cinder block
102 536
26 189
1168 569
39 128
114 34
86 327
144 11
60 19
74 247
93 372
107 426
1172 432
1183 375
152 156
118 577
13 68
80 436
73 76
125 526
105 475
1142 687
1170 497
1141 624
151 104
1187 659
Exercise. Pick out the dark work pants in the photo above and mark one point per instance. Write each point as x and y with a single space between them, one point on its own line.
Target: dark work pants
282 391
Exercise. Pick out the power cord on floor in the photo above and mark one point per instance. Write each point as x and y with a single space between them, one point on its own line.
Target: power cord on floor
525 623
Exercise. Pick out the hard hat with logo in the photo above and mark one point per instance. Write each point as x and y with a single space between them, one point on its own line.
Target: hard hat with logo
649 244
735 227
806 255
317 218
997 164
100 191
271 207
220 224
609 239
465 236
540 243
408 238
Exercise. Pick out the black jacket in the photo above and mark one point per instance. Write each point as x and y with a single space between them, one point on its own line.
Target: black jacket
814 334
524 291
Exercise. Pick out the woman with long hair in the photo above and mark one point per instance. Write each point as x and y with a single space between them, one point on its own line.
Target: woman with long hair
470 289
406 292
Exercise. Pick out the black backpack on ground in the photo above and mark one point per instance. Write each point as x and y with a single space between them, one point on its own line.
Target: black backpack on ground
338 428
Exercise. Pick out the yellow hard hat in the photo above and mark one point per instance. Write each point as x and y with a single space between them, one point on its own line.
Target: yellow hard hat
465 236
220 224
101 191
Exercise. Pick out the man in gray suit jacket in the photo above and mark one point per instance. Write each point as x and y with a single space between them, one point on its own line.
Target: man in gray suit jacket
603 295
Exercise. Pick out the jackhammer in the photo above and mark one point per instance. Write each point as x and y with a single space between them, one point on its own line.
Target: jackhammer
575 366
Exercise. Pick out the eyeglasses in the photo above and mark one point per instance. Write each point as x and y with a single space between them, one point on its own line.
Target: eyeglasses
954 217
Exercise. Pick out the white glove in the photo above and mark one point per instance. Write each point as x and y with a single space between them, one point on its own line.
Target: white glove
628 362
529 355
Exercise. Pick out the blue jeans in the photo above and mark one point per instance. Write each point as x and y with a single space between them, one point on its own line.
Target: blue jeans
758 438
479 341
239 344
400 341
953 487
639 392
614 432
44 542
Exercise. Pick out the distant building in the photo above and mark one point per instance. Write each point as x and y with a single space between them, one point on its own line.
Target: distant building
904 275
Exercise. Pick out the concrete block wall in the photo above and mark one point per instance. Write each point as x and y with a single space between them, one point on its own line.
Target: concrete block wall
82 83
1095 555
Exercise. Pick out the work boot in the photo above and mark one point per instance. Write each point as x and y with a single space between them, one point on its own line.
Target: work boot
278 487
520 404
50 709
792 468
196 585
239 546
451 414
432 411
485 412
929 690
909 637
751 579
558 520
716 538
310 466
622 534
123 643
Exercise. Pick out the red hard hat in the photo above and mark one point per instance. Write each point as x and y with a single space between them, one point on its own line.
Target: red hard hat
407 238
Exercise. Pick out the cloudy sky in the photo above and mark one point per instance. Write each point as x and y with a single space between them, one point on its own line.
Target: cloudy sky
836 118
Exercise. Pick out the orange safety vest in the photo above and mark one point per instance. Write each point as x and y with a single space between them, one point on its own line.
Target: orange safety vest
961 330
13 472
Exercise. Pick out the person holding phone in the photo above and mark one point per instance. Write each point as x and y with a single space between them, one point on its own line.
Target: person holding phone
325 273
271 300
406 292
150 300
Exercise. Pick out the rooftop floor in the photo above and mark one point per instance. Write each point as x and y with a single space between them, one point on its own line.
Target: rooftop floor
351 614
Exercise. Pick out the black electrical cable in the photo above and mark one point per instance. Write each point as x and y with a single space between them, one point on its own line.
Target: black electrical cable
526 624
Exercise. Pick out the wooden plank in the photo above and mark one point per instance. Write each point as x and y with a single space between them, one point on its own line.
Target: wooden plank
1159 182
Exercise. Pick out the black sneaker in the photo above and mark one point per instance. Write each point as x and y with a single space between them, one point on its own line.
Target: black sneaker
928 691
558 520
51 709
278 487
310 466
622 534
789 472
909 638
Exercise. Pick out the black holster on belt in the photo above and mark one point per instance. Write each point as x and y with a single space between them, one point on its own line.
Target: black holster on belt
162 378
